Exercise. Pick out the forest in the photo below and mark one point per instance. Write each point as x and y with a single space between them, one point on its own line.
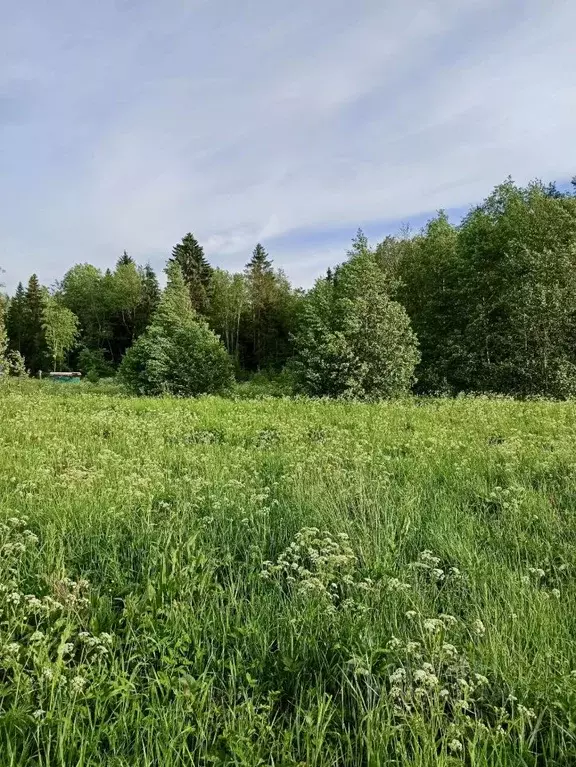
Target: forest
486 305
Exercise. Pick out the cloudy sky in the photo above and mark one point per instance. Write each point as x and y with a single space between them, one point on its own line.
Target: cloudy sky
127 123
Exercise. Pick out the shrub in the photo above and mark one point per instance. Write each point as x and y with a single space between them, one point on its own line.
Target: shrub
355 341
16 364
178 353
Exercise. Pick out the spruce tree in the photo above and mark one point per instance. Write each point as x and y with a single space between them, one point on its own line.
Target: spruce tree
260 263
150 298
196 270
125 260
260 280
34 347
270 317
3 337
16 319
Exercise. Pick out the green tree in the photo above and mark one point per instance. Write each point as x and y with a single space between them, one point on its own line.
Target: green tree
425 267
16 364
3 335
355 341
228 304
124 293
513 311
150 298
34 348
88 294
178 353
196 270
125 260
270 317
60 328
16 319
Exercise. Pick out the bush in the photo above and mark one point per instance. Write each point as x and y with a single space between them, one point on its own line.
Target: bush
92 362
355 341
16 365
178 354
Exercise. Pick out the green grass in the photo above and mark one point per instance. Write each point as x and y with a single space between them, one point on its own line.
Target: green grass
285 582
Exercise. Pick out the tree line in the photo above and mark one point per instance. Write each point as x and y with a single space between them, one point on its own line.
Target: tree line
488 305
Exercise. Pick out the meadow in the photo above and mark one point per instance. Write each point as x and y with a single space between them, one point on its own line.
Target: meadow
283 582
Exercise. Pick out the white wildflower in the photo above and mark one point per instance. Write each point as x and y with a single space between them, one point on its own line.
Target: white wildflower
395 584
14 598
394 644
433 625
398 676
478 627
77 684
437 574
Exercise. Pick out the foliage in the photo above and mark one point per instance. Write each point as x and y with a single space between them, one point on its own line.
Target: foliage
228 306
93 362
113 308
16 320
425 268
490 301
355 341
196 270
178 354
16 364
150 298
33 345
285 582
3 336
515 307
271 313
60 328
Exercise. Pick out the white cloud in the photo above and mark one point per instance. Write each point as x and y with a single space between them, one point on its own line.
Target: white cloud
259 120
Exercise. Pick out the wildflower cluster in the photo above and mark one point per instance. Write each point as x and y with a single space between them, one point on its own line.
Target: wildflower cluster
502 499
428 565
317 563
430 677
43 645
547 578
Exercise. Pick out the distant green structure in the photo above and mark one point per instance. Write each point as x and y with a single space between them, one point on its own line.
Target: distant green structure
66 377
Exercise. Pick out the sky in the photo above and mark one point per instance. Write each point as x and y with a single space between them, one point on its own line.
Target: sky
125 124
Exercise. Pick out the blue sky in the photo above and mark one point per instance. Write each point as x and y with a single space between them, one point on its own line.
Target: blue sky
124 124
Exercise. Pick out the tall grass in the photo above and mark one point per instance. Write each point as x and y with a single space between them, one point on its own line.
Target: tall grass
285 583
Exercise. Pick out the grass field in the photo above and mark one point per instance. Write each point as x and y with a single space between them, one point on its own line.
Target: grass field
286 583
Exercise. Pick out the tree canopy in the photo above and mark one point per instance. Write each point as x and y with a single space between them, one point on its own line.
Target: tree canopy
484 305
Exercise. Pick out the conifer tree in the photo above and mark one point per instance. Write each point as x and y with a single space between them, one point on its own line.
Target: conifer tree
16 319
3 337
125 260
196 270
150 298
34 347
270 317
